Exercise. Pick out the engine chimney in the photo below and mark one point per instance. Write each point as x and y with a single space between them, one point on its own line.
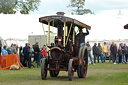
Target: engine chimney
60 13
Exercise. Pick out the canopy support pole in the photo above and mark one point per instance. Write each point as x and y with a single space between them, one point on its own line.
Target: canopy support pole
68 34
48 33
64 33
44 34
73 35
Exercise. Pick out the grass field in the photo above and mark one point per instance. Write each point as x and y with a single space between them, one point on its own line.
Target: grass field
99 74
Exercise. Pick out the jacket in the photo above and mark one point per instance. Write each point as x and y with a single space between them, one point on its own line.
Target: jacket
104 48
119 52
4 51
99 50
82 36
113 49
36 49
95 50
88 48
26 51
44 52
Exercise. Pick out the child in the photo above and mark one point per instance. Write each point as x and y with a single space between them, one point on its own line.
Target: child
44 51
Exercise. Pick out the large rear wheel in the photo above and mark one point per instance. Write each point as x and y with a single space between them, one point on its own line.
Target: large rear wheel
82 69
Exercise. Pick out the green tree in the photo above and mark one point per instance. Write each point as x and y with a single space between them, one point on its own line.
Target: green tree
24 6
78 7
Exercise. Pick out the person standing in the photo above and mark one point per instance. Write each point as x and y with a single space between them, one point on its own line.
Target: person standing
25 54
95 51
120 54
89 52
4 51
0 48
15 49
44 51
36 54
124 52
29 50
26 51
114 52
81 37
111 49
99 53
10 49
104 50
21 53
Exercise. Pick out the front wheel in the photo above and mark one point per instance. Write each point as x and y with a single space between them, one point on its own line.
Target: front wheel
44 69
53 73
70 70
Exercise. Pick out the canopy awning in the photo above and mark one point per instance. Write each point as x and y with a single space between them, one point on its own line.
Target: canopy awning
126 26
55 18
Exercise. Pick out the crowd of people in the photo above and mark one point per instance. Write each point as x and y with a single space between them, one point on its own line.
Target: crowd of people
35 52
26 53
13 49
118 54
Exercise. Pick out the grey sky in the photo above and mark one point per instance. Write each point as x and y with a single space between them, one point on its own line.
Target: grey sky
97 6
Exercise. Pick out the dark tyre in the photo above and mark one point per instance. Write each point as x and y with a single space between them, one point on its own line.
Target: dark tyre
53 73
82 69
79 67
70 70
44 69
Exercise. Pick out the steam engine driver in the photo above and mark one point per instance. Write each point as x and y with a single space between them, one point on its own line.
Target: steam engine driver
81 37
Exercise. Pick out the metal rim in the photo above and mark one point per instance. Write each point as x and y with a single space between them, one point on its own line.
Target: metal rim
84 62
79 66
82 69
70 70
43 69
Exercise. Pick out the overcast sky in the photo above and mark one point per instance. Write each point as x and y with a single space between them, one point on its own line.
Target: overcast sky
97 6
105 24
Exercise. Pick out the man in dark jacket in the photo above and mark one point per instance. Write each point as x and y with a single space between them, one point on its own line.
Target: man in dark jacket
95 51
81 37
26 50
120 54
124 52
113 49
36 54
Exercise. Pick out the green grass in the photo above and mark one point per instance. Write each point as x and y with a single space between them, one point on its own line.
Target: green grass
99 74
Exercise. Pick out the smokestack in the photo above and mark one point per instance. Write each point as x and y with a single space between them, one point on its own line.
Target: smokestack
60 13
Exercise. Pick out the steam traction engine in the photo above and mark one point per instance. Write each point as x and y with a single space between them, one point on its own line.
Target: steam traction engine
65 54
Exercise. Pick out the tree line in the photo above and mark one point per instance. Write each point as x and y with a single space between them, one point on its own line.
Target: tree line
26 6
